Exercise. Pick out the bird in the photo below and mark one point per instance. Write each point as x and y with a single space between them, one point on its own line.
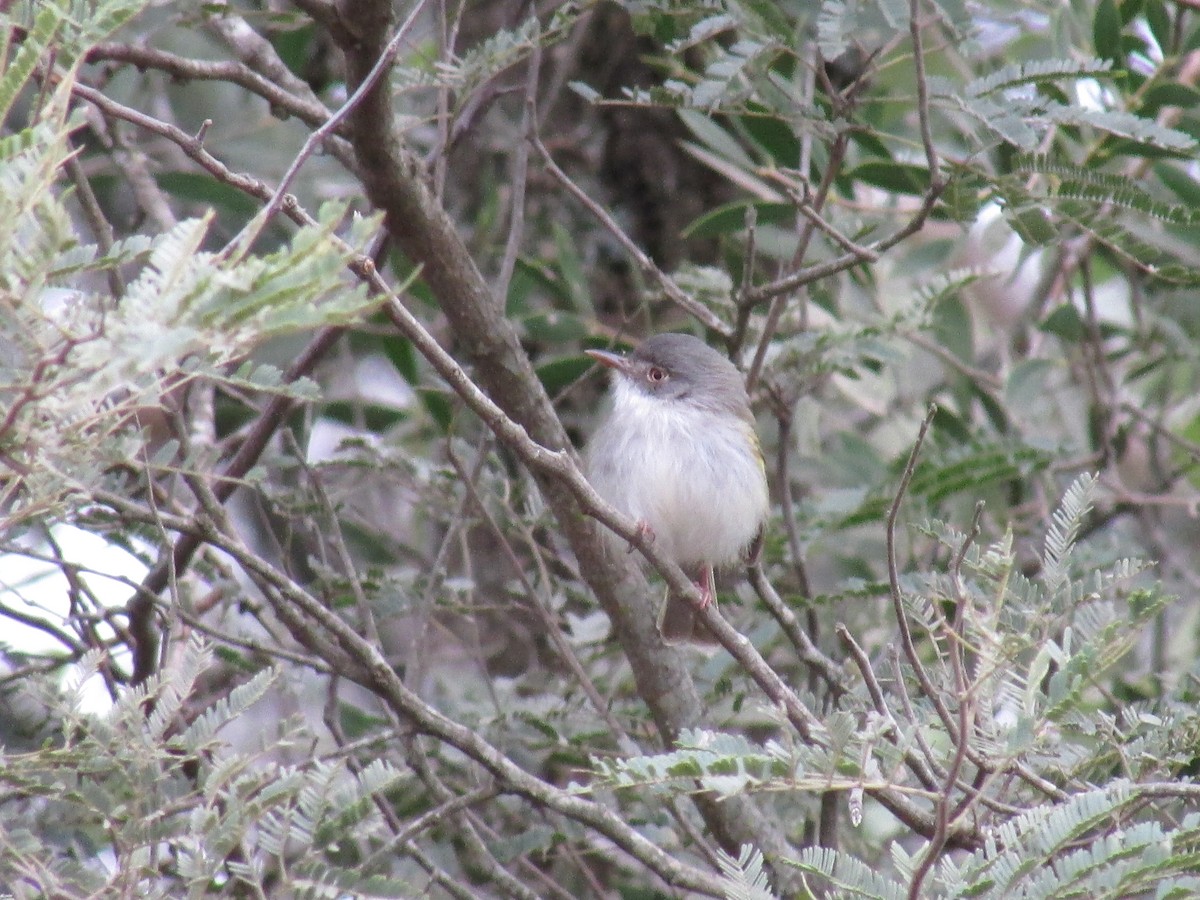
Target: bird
678 453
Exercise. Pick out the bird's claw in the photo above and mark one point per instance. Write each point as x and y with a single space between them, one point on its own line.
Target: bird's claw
645 532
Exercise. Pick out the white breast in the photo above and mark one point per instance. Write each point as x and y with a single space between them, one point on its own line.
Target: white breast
700 487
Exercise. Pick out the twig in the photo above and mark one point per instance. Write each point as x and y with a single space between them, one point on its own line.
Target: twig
565 651
938 841
305 108
808 652
141 606
931 154
921 767
96 220
1099 379
520 173
985 381
785 418
360 660
242 242
865 669
191 145
906 639
666 284
750 254
747 302
911 714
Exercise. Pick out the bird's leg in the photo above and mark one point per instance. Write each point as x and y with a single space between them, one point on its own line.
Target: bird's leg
708 591
644 531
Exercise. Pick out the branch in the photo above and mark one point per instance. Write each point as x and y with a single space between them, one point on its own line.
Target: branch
938 842
370 669
931 155
307 109
665 282
250 233
906 638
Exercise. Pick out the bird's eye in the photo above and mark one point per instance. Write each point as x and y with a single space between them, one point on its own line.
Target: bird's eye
655 374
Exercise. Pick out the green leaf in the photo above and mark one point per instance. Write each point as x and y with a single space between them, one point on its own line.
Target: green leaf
1171 93
196 188
964 196
439 406
715 138
832 28
1032 225
560 373
973 471
1123 124
373 416
555 327
19 69
952 325
399 350
1106 31
1179 182
731 218
570 266
1191 43
947 424
900 178
357 722
294 45
1065 323
776 137
703 30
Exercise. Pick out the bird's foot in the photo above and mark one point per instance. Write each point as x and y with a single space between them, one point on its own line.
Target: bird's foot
708 591
645 532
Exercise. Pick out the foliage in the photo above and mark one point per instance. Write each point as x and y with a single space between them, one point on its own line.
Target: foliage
124 779
354 649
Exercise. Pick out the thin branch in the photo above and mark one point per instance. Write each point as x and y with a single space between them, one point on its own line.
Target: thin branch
191 145
819 271
520 173
931 155
96 221
245 240
141 606
865 669
906 638
808 652
565 651
666 284
746 302
305 108
938 841
365 664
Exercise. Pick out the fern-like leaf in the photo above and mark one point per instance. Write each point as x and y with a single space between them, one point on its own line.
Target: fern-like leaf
1122 124
1036 72
1064 528
201 732
849 875
20 69
744 877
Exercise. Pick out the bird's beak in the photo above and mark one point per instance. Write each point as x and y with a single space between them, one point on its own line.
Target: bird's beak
609 360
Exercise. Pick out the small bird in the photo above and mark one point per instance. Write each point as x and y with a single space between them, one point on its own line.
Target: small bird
678 453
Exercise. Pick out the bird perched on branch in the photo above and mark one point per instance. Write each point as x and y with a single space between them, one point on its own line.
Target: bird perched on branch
679 454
